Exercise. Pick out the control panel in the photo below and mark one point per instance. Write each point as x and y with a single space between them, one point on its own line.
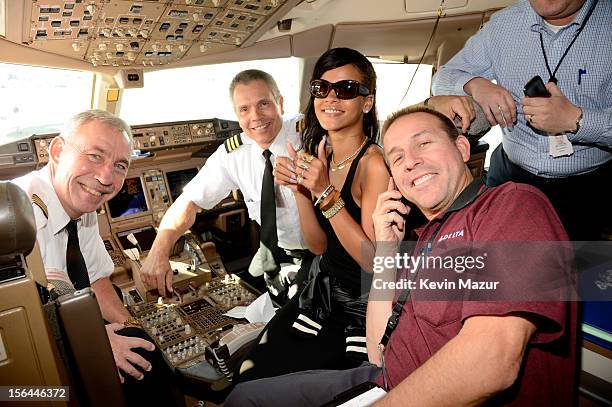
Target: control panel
123 33
154 137
184 329
160 200
16 158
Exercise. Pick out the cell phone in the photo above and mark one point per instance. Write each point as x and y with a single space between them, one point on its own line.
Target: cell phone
535 88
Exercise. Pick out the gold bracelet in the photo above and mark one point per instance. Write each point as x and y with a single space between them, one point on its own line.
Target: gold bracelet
339 204
132 321
331 202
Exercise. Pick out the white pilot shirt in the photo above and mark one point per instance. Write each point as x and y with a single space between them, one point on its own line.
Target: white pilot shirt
53 238
243 168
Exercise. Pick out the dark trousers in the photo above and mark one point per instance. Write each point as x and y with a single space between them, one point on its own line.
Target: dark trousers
156 386
582 201
310 388
279 351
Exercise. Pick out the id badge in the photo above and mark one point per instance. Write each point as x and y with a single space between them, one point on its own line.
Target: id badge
559 146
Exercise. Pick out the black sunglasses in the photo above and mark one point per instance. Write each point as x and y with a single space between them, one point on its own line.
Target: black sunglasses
347 89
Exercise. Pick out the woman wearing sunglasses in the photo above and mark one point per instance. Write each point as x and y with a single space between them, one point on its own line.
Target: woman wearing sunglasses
336 179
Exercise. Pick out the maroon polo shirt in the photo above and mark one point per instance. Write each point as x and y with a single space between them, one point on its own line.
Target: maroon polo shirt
510 212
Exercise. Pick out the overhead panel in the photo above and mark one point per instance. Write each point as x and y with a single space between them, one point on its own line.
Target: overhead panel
123 33
183 22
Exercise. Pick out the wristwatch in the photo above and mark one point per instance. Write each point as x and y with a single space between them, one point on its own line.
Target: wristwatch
579 121
132 321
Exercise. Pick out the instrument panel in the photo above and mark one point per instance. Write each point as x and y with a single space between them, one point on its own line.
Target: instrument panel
123 33
161 136
184 328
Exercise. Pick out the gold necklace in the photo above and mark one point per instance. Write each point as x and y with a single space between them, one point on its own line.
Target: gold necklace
347 160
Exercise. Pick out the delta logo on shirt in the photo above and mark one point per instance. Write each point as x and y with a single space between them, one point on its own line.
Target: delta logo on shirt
452 235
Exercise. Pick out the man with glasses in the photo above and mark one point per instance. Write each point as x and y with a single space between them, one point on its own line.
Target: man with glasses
240 163
87 166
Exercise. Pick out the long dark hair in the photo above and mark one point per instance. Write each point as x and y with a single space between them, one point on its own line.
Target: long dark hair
332 59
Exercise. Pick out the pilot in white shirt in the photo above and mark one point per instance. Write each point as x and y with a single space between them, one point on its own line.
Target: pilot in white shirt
239 163
87 166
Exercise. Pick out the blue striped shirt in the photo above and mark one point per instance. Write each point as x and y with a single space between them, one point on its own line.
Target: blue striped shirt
508 50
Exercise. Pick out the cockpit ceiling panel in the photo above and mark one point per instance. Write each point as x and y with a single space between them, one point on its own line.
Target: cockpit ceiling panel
124 33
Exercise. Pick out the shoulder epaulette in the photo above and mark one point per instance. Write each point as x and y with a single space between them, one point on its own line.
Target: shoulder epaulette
38 202
233 143
300 126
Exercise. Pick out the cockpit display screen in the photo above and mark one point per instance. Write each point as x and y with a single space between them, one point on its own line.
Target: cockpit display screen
144 238
178 179
129 201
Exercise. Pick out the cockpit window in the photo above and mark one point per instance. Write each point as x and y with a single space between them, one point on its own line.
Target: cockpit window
202 91
39 100
393 79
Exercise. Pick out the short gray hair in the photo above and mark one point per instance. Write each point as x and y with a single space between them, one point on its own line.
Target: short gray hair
247 76
109 119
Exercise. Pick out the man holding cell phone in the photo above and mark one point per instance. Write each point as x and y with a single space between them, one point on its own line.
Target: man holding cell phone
453 350
560 142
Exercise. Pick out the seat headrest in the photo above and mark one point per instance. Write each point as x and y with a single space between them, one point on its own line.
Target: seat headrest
17 221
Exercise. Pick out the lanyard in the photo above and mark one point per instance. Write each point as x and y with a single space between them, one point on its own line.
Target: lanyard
553 79
469 195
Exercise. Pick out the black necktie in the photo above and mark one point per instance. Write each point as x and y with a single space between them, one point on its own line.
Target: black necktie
268 236
75 264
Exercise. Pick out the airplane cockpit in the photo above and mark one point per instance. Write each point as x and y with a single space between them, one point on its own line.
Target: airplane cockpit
165 67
